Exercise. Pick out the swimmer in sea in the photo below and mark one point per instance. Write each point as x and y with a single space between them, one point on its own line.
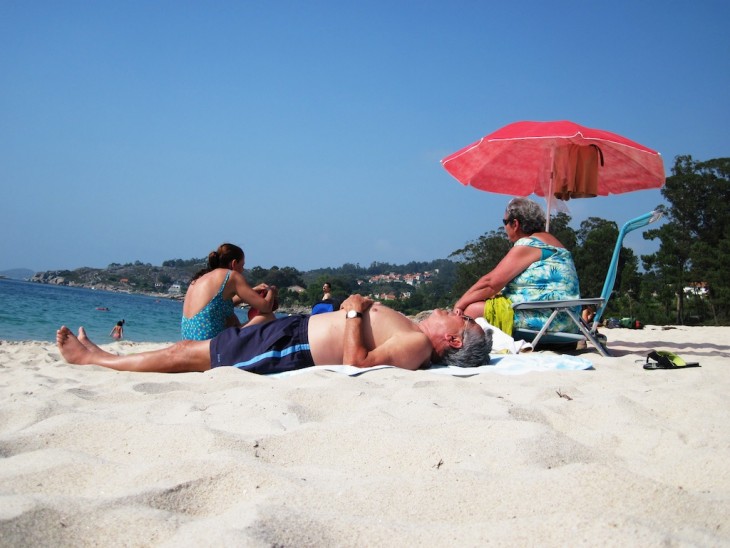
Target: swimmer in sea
117 331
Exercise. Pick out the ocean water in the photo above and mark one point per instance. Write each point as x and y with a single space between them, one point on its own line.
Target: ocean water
32 311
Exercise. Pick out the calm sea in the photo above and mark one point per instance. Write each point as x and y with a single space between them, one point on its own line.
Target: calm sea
32 311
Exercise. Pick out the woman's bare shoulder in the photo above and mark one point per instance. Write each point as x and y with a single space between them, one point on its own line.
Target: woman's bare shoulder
547 238
214 277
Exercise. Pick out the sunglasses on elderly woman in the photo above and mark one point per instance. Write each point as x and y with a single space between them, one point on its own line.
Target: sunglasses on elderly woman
505 222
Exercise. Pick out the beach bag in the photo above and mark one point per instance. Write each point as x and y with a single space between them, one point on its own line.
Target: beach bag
630 323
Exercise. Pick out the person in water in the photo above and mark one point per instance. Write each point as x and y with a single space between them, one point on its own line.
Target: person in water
117 331
361 333
216 290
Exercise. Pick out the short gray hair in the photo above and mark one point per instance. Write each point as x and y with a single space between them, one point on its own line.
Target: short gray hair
528 213
474 351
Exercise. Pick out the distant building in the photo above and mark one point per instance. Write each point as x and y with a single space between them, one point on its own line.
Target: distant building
175 289
412 279
698 289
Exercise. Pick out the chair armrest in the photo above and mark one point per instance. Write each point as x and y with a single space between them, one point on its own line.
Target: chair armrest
557 304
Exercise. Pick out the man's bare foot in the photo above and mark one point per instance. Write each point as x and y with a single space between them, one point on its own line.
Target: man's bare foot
71 348
86 341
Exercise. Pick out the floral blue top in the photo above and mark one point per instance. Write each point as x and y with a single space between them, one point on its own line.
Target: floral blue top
553 277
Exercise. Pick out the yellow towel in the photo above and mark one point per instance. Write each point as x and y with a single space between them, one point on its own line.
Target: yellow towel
498 311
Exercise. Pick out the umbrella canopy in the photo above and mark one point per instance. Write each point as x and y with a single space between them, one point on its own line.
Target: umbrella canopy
560 159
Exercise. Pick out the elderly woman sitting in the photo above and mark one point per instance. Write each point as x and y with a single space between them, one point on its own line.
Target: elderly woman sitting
537 268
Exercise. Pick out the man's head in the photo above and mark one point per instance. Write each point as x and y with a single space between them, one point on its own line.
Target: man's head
458 340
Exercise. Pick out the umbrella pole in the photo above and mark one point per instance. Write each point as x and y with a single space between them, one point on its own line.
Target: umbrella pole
549 196
547 218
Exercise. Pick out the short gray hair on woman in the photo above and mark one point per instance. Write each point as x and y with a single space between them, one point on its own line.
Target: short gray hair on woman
528 213
474 351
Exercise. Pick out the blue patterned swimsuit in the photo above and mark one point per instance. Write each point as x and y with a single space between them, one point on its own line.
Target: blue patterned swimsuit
210 321
553 277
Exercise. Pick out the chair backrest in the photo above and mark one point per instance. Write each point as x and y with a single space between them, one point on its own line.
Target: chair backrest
630 226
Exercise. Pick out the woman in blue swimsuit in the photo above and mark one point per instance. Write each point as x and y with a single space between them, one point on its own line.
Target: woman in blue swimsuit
537 268
215 291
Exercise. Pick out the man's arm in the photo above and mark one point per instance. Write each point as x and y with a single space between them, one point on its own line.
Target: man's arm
404 350
408 350
353 348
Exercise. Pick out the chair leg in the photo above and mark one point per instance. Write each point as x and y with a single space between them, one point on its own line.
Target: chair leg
588 334
577 321
544 328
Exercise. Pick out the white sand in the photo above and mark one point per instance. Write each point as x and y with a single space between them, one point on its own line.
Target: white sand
93 457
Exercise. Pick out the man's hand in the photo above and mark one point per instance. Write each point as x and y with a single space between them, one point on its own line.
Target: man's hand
358 303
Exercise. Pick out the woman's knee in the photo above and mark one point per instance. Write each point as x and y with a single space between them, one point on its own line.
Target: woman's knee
475 310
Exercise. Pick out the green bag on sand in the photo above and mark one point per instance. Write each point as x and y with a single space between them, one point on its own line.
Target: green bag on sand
630 323
663 359
498 312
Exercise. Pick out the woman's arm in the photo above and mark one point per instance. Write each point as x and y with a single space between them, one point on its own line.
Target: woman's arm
514 263
241 292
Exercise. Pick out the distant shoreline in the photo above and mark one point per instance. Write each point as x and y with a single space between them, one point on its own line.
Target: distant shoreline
104 287
175 297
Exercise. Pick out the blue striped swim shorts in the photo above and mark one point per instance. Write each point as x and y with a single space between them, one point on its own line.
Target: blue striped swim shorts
272 347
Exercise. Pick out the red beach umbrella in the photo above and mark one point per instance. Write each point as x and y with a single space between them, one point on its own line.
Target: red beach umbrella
560 159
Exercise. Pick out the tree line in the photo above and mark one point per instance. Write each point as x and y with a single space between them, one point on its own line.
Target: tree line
694 246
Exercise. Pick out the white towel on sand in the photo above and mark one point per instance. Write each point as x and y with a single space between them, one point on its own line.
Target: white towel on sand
509 364
501 342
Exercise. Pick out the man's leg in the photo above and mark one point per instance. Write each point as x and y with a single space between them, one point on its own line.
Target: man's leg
180 357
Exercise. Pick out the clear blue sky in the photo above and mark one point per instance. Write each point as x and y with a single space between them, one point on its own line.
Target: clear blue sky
310 133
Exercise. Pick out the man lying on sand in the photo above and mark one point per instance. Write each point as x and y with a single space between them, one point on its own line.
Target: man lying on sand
361 333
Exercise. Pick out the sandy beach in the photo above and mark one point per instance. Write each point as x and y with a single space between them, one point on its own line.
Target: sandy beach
617 455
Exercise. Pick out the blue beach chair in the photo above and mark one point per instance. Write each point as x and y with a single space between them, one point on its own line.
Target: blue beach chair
587 332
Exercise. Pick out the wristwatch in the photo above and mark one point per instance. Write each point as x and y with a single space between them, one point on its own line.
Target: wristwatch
352 314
